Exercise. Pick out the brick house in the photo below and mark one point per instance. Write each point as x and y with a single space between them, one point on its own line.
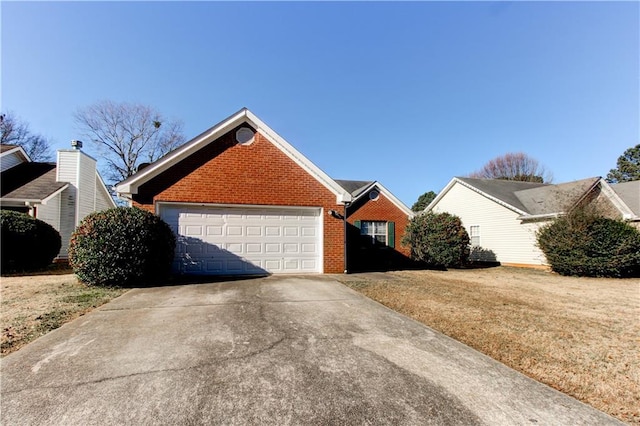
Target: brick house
241 200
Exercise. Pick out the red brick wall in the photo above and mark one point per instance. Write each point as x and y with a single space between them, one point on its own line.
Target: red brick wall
258 174
382 209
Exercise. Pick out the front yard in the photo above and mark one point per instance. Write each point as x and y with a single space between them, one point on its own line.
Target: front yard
578 335
36 304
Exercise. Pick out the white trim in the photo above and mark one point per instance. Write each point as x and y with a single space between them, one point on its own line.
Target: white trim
618 202
455 180
20 150
384 191
131 184
50 196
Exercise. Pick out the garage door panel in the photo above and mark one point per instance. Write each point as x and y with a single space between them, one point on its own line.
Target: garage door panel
235 240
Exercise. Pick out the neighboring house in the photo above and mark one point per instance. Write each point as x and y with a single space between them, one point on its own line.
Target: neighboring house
242 200
60 193
502 216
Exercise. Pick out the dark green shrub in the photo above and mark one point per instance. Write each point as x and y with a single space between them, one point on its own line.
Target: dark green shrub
438 239
27 243
122 246
585 244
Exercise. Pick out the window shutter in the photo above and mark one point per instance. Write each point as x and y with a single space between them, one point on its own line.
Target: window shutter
356 223
391 234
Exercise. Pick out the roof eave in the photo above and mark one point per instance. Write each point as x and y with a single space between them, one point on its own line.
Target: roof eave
131 185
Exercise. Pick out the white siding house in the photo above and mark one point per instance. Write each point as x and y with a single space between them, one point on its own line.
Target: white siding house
497 227
60 193
502 217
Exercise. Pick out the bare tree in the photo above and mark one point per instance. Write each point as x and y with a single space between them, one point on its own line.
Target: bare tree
514 166
13 131
126 135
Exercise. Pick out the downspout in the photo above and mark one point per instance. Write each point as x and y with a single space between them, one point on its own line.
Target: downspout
344 219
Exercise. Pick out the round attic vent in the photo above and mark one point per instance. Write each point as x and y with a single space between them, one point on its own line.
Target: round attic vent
374 195
244 136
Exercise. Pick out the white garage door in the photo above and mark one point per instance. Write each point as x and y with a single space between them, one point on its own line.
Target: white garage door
220 240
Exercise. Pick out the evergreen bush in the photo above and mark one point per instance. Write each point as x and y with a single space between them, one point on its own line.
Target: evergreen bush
438 239
122 246
585 244
28 243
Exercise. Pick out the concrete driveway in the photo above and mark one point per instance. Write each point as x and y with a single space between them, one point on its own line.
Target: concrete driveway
276 350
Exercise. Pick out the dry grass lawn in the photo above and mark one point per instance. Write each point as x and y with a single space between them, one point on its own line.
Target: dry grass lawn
31 306
578 335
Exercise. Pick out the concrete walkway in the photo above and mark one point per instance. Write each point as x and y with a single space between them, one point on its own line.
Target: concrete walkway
266 351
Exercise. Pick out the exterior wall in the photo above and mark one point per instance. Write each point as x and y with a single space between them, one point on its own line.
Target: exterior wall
67 218
86 186
103 199
224 172
10 160
502 235
363 256
50 212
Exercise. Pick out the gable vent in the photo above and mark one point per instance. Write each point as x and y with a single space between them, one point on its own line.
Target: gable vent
245 136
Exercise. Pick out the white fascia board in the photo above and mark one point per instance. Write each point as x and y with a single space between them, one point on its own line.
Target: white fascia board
492 198
341 195
53 194
441 194
389 195
130 186
618 202
19 150
104 187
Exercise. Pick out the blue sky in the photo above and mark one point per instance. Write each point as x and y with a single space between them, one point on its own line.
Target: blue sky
409 94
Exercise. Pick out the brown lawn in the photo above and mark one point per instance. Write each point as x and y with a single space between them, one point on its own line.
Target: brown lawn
31 306
578 335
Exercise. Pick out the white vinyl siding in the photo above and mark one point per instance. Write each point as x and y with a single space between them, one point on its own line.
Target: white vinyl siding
10 160
67 218
502 233
86 187
239 240
103 198
50 212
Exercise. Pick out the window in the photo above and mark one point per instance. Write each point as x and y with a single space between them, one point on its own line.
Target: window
374 231
474 235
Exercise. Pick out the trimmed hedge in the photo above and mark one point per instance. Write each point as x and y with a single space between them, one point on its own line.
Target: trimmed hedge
122 246
583 244
438 239
28 243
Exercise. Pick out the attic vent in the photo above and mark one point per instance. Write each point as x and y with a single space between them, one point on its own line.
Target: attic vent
244 136
374 195
142 166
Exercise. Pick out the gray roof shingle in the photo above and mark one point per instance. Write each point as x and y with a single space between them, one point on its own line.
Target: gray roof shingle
630 194
534 198
29 181
354 187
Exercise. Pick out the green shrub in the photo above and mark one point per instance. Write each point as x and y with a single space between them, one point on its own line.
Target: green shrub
438 239
584 244
28 243
122 246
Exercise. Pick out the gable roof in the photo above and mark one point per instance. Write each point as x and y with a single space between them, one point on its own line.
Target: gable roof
538 200
360 188
560 198
30 182
244 116
499 189
7 149
629 192
355 187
